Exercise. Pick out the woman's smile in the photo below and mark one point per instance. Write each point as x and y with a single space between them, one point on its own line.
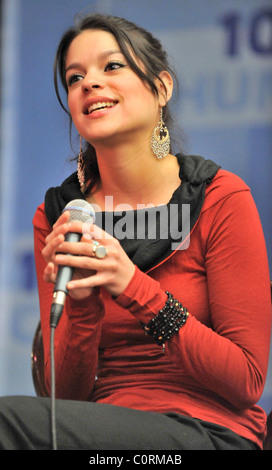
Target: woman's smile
100 106
94 106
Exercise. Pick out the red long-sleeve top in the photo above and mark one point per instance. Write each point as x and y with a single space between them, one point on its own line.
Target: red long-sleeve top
214 369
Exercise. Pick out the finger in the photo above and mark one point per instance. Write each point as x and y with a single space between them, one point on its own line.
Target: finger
60 230
72 227
83 262
62 225
96 280
107 279
50 248
64 217
98 234
88 231
49 274
88 247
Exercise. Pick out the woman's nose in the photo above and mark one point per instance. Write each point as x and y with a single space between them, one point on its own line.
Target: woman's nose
89 84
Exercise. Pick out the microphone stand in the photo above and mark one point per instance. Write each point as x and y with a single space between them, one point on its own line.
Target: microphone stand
53 390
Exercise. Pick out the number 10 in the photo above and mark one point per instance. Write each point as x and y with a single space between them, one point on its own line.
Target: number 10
260 32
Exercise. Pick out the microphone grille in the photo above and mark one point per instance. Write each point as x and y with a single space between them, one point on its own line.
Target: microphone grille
81 211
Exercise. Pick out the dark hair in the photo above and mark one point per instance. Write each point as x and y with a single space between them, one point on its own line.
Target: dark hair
129 37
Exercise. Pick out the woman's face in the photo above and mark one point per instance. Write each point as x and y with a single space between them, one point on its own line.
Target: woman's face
108 102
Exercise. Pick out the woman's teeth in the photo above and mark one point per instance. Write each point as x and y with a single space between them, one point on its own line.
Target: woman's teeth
108 104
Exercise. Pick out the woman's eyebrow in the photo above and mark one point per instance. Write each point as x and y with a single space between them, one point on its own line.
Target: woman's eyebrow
101 56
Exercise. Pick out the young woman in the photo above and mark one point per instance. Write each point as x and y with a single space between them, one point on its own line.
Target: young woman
123 380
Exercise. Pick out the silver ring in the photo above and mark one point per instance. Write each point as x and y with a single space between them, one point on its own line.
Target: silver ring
99 251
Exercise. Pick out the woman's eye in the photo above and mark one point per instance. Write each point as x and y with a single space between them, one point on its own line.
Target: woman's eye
114 66
73 79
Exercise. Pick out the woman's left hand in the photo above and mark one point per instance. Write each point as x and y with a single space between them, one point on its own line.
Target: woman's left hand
113 272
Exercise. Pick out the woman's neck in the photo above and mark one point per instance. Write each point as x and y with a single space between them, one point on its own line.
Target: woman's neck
134 177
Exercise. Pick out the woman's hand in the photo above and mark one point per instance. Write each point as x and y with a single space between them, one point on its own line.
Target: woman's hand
113 272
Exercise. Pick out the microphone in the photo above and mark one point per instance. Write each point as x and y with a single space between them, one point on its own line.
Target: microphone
80 210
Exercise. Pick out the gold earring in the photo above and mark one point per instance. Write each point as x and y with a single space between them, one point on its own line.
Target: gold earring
81 166
160 140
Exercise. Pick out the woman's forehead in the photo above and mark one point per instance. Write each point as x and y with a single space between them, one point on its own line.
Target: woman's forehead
94 39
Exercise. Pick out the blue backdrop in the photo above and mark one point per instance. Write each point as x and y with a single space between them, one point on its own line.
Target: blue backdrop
221 52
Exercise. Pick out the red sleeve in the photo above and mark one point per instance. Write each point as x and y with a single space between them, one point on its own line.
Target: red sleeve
78 333
230 356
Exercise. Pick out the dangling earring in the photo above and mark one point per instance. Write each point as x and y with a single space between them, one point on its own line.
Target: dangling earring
160 140
81 166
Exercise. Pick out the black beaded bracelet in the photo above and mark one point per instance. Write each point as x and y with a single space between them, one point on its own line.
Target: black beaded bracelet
168 321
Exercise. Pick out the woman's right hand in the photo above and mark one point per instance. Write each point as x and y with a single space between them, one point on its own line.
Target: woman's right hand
53 246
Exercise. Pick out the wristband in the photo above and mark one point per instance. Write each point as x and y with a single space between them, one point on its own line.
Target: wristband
167 322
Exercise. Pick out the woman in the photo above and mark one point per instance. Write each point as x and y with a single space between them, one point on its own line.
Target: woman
121 382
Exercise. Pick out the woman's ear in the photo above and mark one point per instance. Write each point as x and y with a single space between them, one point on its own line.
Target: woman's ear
164 87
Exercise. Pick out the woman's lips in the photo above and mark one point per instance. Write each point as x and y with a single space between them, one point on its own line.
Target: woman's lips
100 105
